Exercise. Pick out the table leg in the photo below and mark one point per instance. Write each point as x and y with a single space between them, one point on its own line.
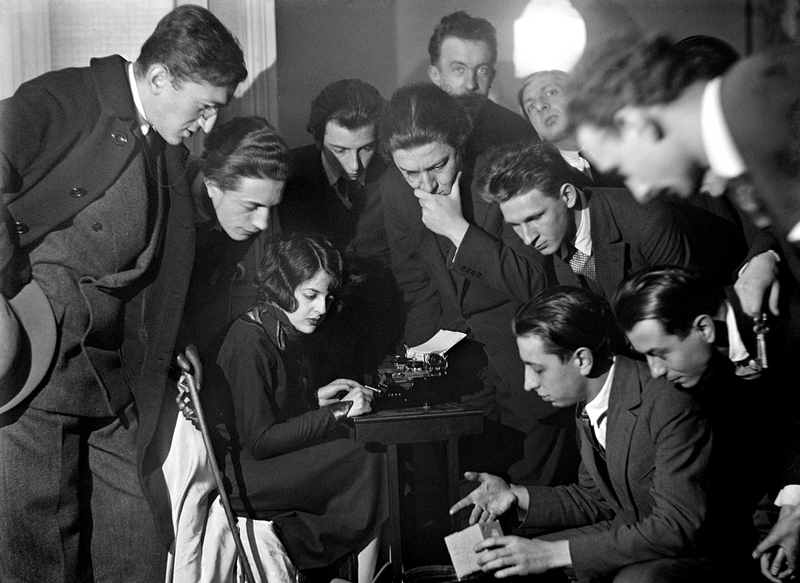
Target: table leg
453 480
394 511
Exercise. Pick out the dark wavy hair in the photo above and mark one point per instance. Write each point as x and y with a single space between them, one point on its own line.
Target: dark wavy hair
674 296
291 260
351 103
628 70
194 45
244 147
518 168
421 114
567 318
462 25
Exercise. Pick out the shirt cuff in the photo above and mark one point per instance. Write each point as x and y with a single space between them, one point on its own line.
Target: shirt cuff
788 496
340 410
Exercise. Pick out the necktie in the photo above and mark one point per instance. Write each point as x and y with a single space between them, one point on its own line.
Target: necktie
347 190
582 264
585 167
586 423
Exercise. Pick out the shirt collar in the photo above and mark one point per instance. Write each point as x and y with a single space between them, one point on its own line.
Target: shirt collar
597 408
141 119
574 159
583 236
724 158
333 173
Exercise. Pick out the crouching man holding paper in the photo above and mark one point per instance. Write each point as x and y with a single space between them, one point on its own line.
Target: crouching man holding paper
641 510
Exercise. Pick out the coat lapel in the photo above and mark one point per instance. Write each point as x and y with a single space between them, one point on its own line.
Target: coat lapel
625 399
607 246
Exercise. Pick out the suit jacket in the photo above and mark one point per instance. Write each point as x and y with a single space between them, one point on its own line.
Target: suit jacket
760 99
477 289
627 237
648 499
142 251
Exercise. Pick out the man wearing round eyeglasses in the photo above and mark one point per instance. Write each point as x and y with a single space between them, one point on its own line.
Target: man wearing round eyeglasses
97 214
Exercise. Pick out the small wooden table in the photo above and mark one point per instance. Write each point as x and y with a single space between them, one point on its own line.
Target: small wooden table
444 422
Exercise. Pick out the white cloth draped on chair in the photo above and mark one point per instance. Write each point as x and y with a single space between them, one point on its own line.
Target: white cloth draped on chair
203 550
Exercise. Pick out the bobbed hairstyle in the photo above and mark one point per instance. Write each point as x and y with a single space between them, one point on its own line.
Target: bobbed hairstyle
561 77
291 260
567 318
351 103
244 147
516 169
194 45
674 296
421 114
628 70
462 25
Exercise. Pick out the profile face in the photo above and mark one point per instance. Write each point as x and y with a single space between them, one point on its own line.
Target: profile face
432 167
680 360
652 164
465 70
313 299
244 211
540 220
544 101
555 381
349 151
178 110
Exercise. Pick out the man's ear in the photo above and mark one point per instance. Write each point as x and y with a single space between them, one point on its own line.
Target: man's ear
215 193
704 324
584 360
645 121
569 193
157 78
435 75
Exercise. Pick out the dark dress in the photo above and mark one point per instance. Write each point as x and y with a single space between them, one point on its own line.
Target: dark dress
285 458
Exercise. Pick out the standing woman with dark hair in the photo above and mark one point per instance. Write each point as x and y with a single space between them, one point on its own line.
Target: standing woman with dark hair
283 443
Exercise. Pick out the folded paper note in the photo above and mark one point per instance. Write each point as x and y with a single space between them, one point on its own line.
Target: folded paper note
461 546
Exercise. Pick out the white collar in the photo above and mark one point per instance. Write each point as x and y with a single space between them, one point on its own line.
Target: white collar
333 173
597 408
724 158
583 235
141 118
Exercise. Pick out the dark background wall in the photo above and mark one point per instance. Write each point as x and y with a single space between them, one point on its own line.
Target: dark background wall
384 42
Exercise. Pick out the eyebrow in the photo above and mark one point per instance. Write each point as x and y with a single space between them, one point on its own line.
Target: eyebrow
431 167
528 218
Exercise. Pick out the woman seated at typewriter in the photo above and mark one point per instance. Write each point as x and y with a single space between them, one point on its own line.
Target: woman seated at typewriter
281 438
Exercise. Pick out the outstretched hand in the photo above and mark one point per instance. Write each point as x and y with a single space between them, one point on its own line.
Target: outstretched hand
778 552
491 499
441 213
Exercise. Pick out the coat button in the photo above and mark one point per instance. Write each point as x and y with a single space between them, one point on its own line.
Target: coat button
120 139
22 228
97 227
77 192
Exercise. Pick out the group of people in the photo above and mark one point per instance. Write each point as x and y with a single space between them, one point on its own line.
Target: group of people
635 429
